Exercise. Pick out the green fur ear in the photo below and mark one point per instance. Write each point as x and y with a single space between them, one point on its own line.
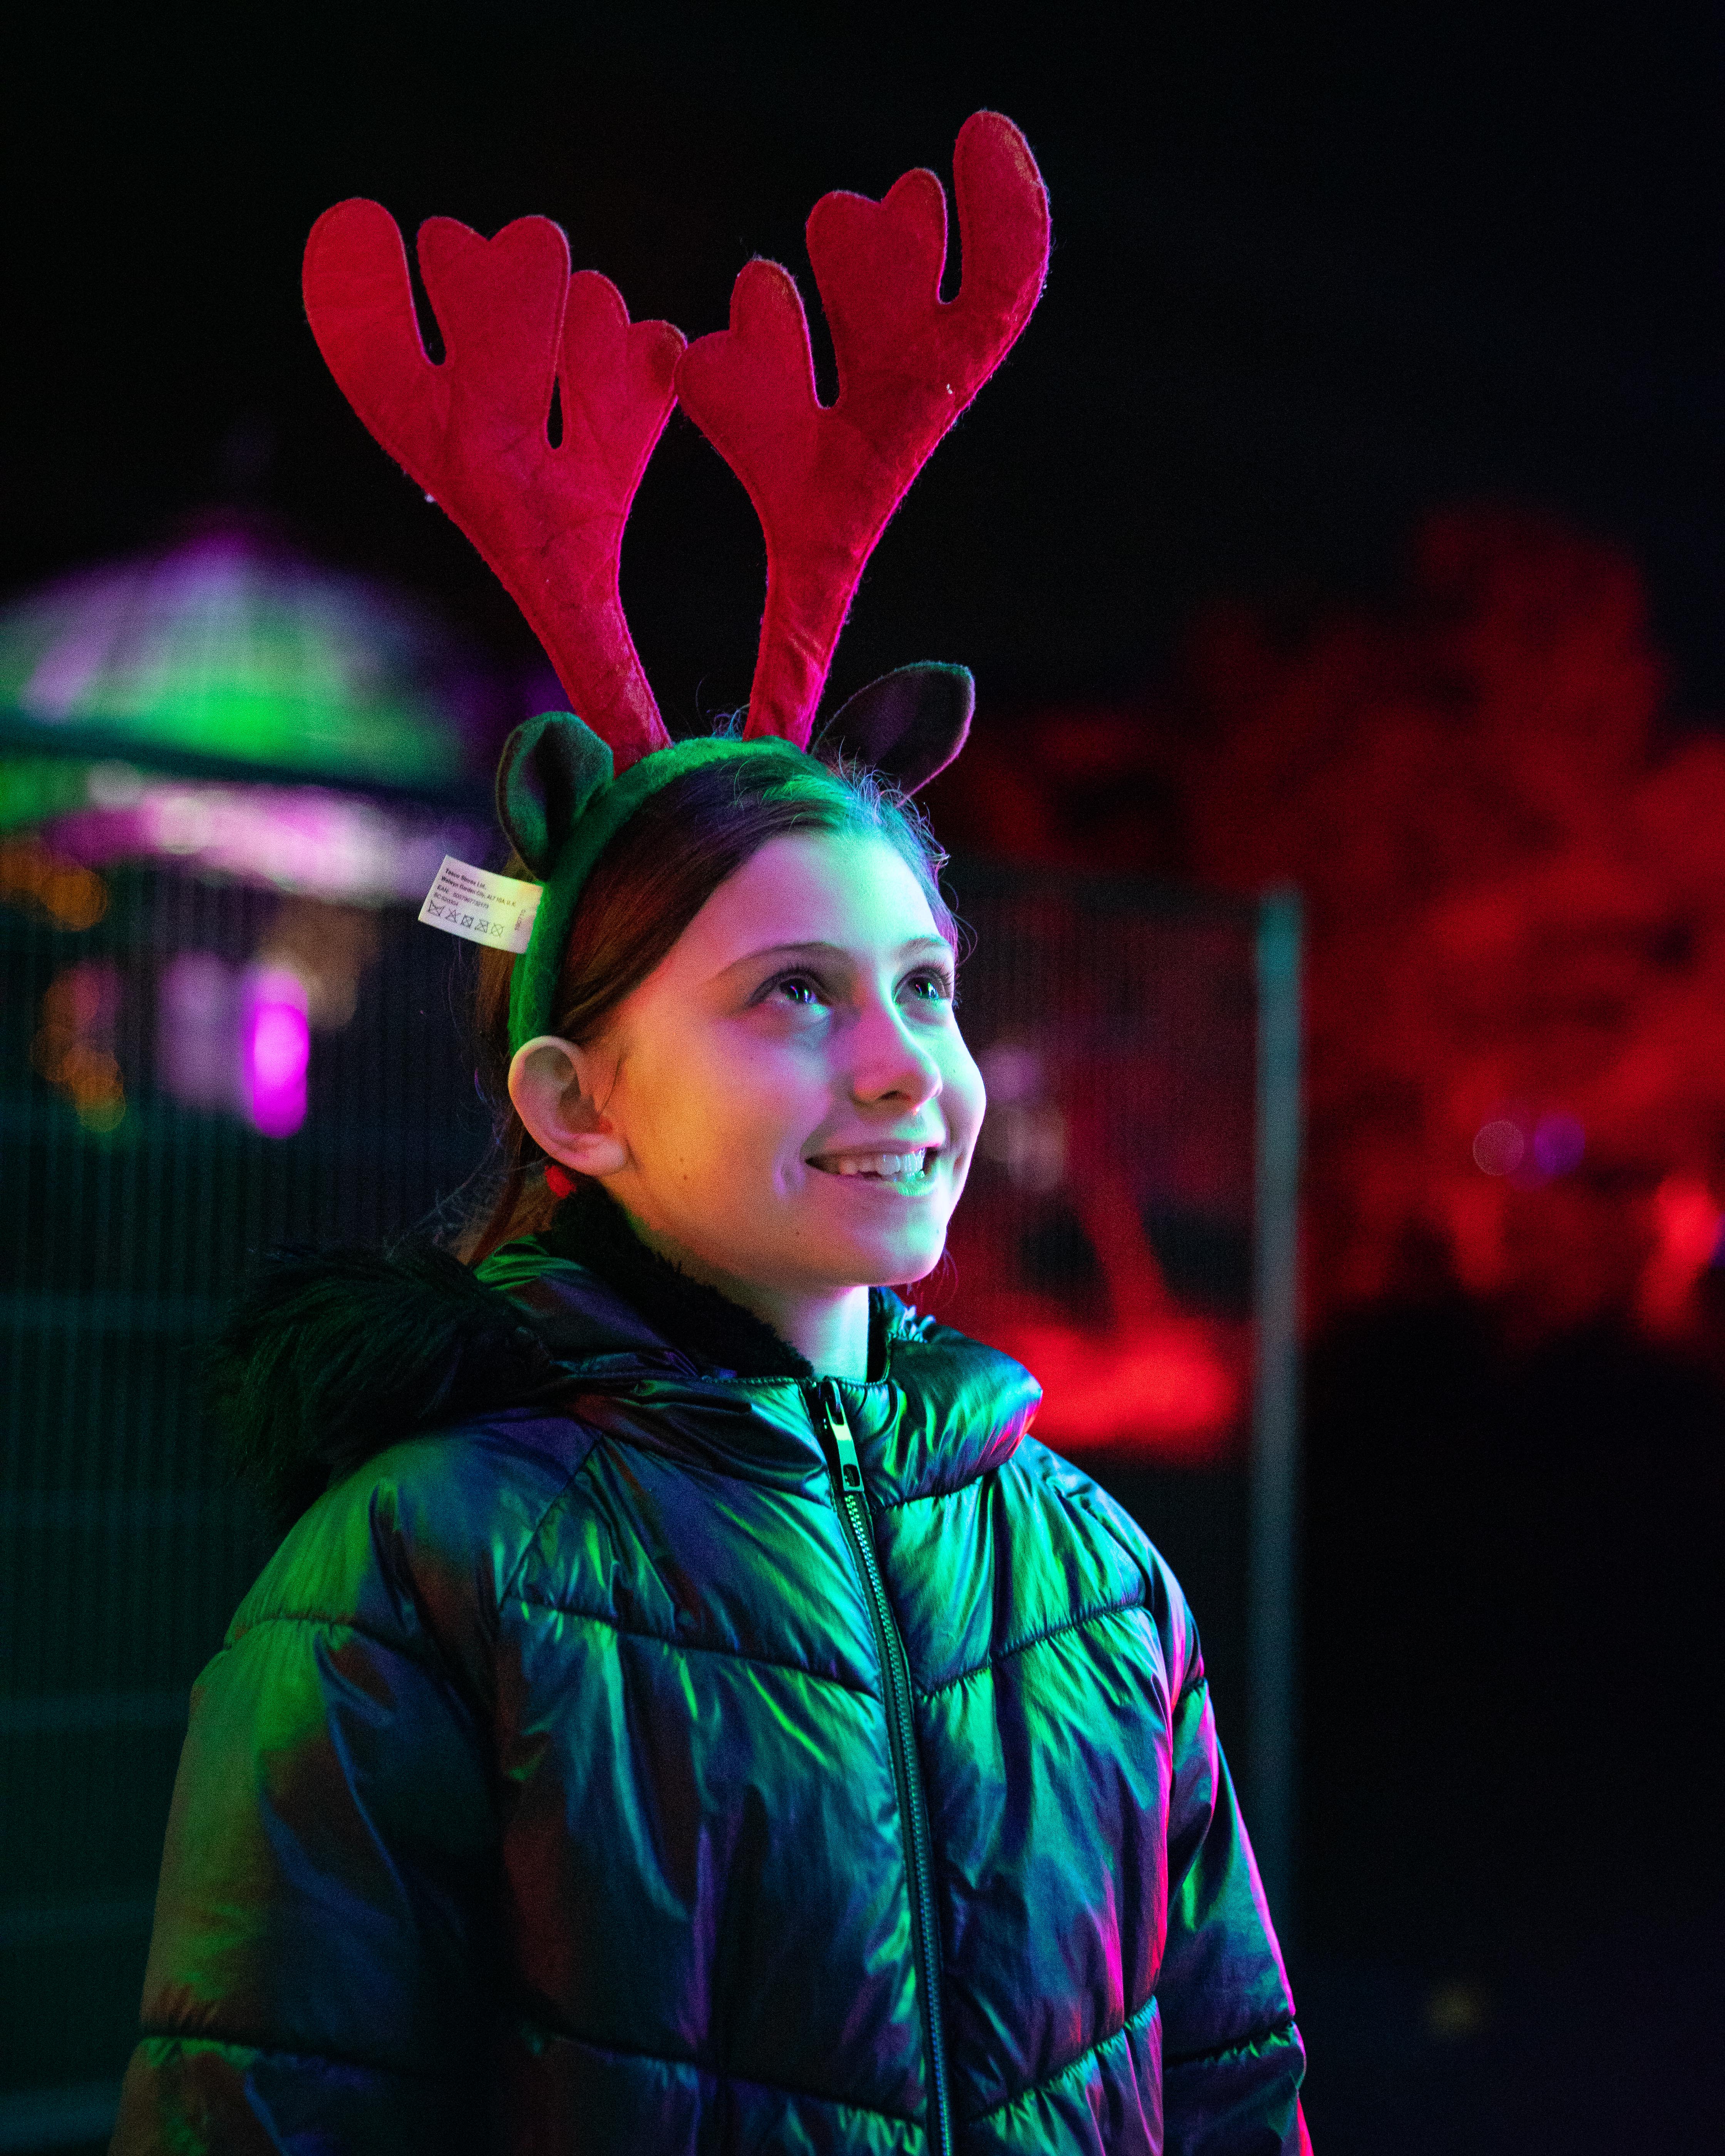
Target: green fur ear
550 768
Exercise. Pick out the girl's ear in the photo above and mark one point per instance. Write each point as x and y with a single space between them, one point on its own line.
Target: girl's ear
908 725
552 1084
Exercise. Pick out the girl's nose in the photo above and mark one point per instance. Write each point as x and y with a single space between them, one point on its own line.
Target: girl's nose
889 1063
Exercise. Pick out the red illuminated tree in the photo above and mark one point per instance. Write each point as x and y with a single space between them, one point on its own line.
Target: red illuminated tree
1514 872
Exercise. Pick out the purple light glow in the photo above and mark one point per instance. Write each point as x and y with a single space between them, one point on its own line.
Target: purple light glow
276 1038
197 1047
1558 1144
1503 1146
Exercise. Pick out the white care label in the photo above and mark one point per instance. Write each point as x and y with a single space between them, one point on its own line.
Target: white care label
497 910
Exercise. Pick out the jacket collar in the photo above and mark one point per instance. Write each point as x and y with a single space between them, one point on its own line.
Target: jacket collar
941 1409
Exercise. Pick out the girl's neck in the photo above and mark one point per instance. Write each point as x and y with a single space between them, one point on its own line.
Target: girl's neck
717 1321
830 1331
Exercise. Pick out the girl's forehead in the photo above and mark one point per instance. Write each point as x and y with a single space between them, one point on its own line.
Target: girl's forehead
845 889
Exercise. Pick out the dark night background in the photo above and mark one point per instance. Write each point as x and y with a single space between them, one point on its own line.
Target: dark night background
1315 274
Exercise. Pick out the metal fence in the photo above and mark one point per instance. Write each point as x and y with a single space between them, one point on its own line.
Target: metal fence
1130 1231
123 1546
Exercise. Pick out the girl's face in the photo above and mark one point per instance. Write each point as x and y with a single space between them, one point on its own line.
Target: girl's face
787 1099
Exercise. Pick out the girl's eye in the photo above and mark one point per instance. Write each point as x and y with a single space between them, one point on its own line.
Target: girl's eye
930 985
797 988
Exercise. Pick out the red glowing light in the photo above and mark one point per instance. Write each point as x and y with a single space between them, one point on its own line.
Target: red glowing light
1143 1373
1163 1386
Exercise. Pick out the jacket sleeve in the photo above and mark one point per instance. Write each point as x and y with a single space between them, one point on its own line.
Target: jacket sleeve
318 1975
1232 2057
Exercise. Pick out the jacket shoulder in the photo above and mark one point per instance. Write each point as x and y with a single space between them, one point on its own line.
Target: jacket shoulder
417 1546
1094 1516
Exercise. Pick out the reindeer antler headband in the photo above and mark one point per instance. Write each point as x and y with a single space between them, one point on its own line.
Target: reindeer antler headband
472 431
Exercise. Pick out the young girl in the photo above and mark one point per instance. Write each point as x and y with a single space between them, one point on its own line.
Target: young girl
690 1711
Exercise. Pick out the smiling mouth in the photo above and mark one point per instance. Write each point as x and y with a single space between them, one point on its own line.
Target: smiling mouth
907 1168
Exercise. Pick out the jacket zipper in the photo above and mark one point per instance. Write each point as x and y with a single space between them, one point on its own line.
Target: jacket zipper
913 1809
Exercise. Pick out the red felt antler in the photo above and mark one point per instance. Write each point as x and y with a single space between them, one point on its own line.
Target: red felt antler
825 479
472 431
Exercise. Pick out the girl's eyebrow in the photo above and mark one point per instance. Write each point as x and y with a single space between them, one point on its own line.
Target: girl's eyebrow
831 951
839 950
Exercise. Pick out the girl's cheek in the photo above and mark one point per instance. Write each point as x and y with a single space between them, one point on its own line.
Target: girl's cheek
966 1098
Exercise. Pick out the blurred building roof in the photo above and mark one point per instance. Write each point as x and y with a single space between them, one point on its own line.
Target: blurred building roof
229 645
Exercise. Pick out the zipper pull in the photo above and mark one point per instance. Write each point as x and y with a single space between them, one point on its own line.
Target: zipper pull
833 1407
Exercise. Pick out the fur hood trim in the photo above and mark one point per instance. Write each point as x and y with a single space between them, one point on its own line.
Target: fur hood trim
331 1356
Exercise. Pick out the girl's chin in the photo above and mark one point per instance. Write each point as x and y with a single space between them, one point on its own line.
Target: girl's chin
889 1260
880 1237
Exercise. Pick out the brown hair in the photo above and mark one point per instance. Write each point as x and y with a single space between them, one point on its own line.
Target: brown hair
649 884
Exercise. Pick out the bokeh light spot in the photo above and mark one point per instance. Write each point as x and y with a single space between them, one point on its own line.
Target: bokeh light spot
276 1038
1499 1147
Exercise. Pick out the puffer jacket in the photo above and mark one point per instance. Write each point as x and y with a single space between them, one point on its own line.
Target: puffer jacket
685 1759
